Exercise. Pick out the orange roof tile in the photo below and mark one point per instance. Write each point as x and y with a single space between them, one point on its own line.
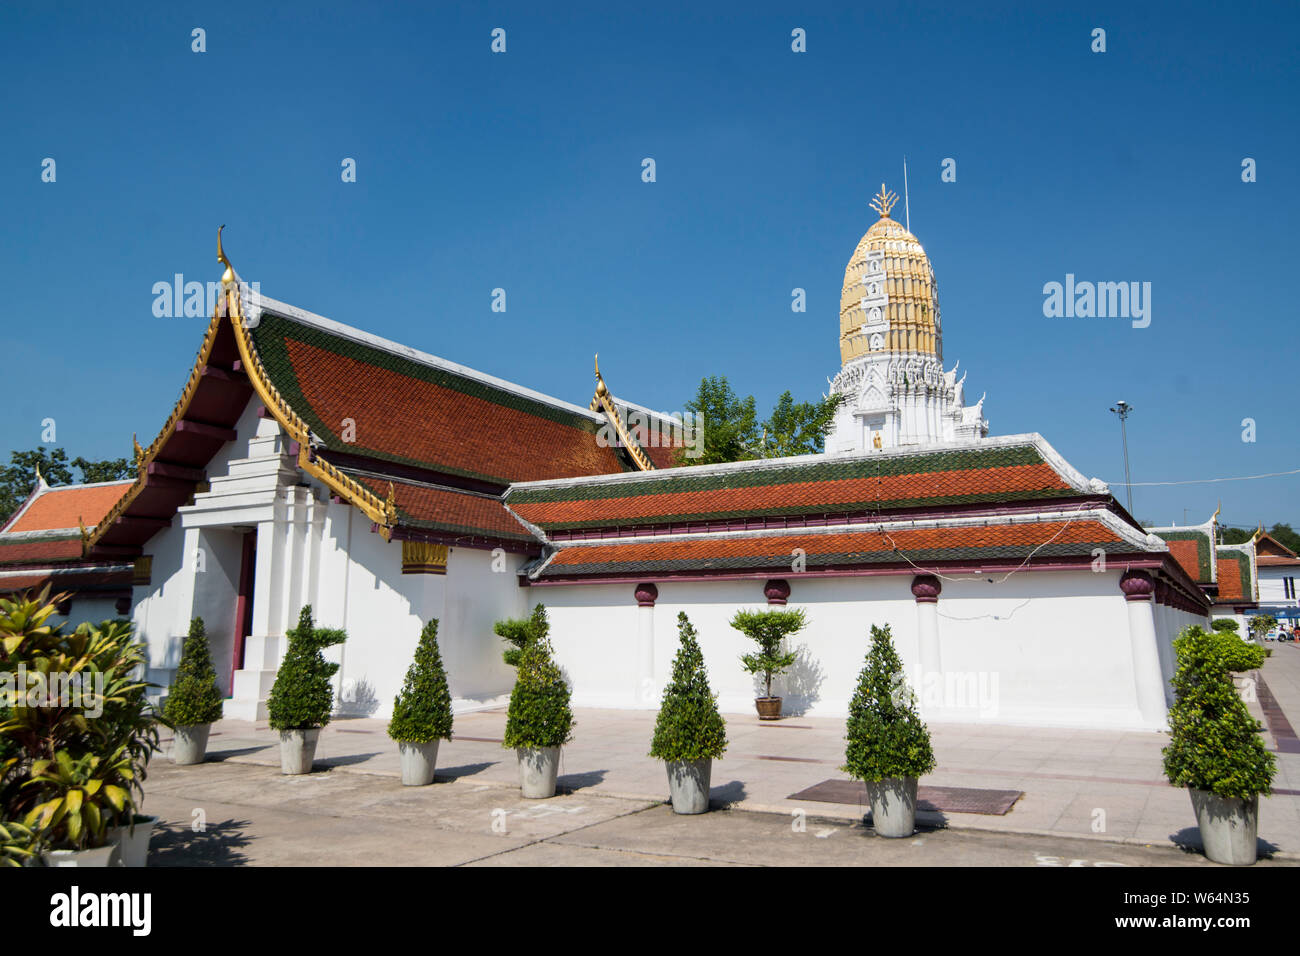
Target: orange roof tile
59 507
705 552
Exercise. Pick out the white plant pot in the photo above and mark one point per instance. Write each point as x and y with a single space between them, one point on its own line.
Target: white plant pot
688 784
99 856
132 844
418 762
1229 826
298 750
191 744
538 767
893 806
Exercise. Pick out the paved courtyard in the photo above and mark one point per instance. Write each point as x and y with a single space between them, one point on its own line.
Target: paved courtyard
1088 795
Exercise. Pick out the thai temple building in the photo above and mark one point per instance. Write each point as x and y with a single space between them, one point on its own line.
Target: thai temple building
896 391
310 462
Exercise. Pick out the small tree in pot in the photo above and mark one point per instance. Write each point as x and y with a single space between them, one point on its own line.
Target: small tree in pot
689 732
518 631
1215 748
769 629
193 702
302 697
539 721
422 711
888 745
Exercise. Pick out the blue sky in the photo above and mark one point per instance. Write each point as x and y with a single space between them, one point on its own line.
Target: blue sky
523 171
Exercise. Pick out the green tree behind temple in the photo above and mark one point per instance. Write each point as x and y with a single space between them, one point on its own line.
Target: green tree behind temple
18 478
732 432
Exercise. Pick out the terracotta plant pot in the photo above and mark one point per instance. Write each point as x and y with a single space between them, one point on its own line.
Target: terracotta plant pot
769 708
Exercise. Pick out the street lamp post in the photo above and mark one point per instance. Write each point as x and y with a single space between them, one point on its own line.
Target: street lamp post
1122 408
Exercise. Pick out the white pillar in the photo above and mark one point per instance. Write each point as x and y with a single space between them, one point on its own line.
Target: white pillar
1149 692
926 588
643 690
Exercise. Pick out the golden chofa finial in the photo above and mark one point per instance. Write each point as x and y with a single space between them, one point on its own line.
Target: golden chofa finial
137 451
229 274
601 388
884 201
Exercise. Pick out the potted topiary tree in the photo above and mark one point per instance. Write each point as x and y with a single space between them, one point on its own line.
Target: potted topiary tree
193 702
518 631
768 629
888 745
1215 748
422 711
689 732
302 697
539 720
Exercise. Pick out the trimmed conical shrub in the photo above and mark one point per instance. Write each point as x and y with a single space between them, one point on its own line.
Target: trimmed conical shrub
886 737
422 711
689 726
302 697
519 631
1215 744
194 697
539 713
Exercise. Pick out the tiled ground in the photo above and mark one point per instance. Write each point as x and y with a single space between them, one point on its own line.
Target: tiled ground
1103 785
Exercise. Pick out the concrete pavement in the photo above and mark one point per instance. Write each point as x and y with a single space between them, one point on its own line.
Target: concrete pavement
228 813
1078 785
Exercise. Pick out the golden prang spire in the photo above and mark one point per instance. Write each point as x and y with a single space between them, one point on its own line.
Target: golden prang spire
884 201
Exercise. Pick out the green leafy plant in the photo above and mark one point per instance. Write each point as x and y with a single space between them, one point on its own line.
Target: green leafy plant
519 631
302 697
768 629
422 711
17 844
78 735
1261 624
689 726
1224 624
1215 744
886 737
194 697
77 794
539 714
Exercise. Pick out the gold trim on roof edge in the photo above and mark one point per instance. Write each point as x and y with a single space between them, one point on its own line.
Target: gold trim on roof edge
320 469
169 427
602 400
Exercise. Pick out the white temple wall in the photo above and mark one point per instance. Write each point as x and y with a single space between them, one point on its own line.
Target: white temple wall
84 609
1045 648
481 589
384 612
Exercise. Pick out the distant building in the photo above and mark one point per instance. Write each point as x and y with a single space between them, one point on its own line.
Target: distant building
44 544
1278 568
